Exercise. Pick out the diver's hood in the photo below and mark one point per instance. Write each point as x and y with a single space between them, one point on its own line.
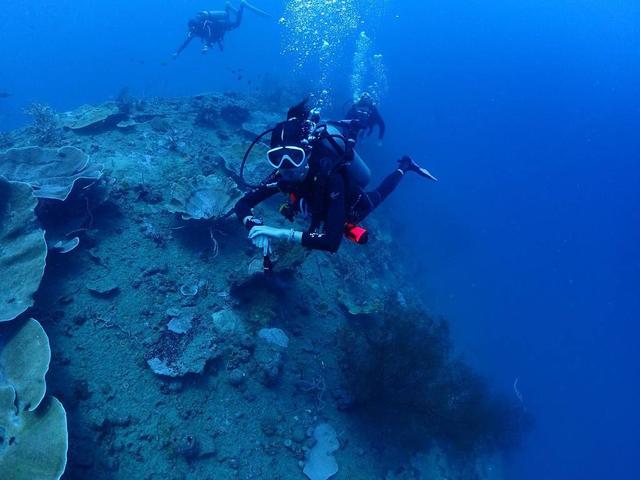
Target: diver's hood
292 133
288 133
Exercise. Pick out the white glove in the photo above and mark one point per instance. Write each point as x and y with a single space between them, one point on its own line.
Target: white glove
275 233
264 243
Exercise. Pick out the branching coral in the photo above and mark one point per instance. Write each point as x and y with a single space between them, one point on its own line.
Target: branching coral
46 128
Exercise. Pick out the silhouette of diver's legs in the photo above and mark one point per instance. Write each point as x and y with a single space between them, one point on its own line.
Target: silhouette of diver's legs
371 200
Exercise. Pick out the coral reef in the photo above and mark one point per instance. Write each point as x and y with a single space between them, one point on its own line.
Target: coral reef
235 115
203 197
93 119
126 102
51 172
321 463
46 129
24 360
6 140
23 250
208 110
33 445
175 357
33 429
179 355
402 364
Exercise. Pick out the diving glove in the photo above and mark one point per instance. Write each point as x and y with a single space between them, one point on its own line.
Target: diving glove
250 221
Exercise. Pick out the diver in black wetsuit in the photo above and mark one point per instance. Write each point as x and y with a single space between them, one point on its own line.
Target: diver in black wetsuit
323 181
365 116
211 27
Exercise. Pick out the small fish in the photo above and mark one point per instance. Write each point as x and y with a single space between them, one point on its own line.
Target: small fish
5 94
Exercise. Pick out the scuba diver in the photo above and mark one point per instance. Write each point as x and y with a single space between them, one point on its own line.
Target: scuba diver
365 115
211 26
324 180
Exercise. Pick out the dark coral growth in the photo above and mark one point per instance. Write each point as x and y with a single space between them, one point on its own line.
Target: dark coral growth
401 367
45 128
127 103
6 140
207 111
235 115
207 116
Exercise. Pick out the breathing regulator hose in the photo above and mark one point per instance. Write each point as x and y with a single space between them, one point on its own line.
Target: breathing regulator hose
246 156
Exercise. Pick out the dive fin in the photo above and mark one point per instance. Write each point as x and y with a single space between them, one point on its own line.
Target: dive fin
408 165
423 172
254 9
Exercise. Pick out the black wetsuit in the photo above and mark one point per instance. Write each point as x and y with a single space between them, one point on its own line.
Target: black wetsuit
329 199
211 27
366 117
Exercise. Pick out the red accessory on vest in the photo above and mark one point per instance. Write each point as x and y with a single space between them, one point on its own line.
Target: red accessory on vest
356 233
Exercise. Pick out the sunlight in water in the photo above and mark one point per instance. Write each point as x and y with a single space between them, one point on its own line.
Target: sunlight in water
369 72
317 32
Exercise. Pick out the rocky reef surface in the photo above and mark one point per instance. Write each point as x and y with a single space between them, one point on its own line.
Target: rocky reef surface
173 355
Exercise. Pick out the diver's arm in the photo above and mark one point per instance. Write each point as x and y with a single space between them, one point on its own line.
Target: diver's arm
334 226
250 200
329 241
184 44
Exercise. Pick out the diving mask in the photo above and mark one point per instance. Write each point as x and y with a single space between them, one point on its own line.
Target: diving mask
287 157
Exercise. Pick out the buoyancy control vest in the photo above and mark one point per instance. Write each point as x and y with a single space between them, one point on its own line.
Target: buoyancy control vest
337 143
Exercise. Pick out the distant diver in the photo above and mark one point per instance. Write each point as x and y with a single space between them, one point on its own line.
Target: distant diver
5 94
324 180
211 26
365 116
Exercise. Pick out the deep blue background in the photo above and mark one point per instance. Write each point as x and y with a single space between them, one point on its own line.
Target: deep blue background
528 111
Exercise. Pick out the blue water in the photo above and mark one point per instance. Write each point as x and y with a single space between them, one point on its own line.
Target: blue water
528 111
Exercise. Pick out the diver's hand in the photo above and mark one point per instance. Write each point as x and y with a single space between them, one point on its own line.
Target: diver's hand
250 221
276 233
263 243
270 232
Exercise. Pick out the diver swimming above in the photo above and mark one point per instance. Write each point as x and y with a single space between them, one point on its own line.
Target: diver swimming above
211 26
365 116
324 180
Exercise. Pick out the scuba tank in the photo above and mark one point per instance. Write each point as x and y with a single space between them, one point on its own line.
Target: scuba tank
358 172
